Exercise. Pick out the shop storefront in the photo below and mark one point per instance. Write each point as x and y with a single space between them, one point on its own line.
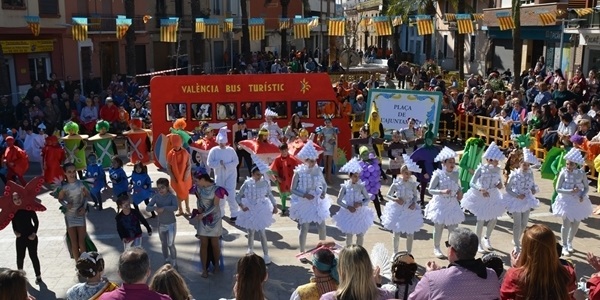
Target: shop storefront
591 56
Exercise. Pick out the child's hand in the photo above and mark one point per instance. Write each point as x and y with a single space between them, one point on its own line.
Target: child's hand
522 196
400 201
275 209
81 211
412 206
160 210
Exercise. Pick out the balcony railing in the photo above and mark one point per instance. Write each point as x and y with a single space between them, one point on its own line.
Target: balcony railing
100 23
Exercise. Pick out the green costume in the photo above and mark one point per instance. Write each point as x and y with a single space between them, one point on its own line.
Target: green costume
471 158
553 163
75 145
103 144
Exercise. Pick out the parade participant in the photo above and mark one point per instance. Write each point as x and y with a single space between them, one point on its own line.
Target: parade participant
179 168
179 129
403 214
16 160
303 136
103 144
141 186
424 157
572 203
282 170
75 144
208 218
129 223
34 143
355 216
275 133
95 174
327 138
310 202
519 197
369 142
515 157
371 176
118 178
470 160
376 127
72 196
165 204
139 142
25 225
240 135
444 208
484 199
257 206
91 267
411 134
395 149
223 160
53 157
200 148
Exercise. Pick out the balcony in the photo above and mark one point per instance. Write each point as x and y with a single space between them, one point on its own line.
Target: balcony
106 23
529 14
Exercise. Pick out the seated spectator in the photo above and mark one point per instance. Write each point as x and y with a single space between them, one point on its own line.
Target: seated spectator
494 262
544 95
517 116
110 112
90 266
13 285
250 278
167 281
593 284
586 130
465 278
123 120
494 109
325 279
479 109
537 272
582 113
404 279
89 116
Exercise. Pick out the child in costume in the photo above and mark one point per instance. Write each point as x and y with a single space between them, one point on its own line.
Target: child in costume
257 206
327 137
355 216
275 133
25 225
16 161
519 197
282 169
444 208
129 223
180 169
223 160
376 128
139 142
75 144
471 159
94 173
572 203
395 149
484 199
424 157
53 157
141 186
118 178
310 202
515 157
103 144
371 176
179 129
240 135
72 196
403 214
164 202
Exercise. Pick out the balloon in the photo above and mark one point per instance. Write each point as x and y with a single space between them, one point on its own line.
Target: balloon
373 177
370 168
362 164
366 182
377 186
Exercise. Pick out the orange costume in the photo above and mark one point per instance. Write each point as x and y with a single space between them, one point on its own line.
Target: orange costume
179 168
54 155
17 161
139 142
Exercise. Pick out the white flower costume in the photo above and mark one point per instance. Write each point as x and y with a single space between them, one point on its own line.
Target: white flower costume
486 177
573 206
359 221
311 181
521 183
399 218
275 133
444 208
258 198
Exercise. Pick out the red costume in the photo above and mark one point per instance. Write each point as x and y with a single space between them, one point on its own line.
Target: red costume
53 155
17 161
283 167
139 142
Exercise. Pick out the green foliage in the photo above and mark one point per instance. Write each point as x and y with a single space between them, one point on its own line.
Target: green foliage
497 85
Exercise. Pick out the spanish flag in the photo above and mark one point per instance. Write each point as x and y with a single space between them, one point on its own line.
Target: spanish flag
396 21
285 23
199 25
583 11
257 29
301 30
548 18
465 25
336 27
211 29
505 20
383 26
79 30
424 25
478 17
228 25
122 26
33 22
450 17
168 30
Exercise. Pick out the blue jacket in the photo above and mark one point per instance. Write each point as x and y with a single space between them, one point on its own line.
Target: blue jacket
119 181
142 187
95 171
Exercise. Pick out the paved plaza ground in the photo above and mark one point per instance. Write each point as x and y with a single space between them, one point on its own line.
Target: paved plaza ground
285 273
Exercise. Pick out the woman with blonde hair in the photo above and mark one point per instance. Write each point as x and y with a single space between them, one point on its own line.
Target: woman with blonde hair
356 277
167 281
537 272
250 278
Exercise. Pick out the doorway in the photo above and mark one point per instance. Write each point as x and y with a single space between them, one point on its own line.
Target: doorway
109 60
537 50
218 49
9 62
39 67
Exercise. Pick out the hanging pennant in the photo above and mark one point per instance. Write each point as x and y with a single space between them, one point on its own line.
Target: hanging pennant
424 25
478 17
79 30
211 29
464 23
314 22
122 26
450 17
396 21
548 18
200 25
505 20
285 23
256 27
336 27
33 22
583 11
301 30
383 26
228 25
168 30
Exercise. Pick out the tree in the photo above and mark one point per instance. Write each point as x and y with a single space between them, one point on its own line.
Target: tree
130 39
460 45
4 80
284 14
245 31
406 7
517 42
197 41
392 11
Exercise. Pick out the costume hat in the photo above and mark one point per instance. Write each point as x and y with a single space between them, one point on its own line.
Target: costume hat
412 166
445 154
308 151
222 135
352 166
529 157
493 152
574 155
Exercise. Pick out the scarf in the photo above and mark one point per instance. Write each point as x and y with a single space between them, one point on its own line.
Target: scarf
474 265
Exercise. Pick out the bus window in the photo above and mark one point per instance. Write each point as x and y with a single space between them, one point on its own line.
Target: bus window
280 107
201 111
300 108
226 111
176 111
251 110
328 108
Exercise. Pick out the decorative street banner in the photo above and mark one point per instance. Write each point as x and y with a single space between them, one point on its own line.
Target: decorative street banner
123 24
199 25
301 29
505 20
424 25
256 27
228 25
33 22
79 30
336 27
397 106
383 26
168 30
464 23
211 29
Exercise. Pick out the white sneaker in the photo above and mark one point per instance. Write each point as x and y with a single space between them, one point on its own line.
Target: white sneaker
565 252
486 244
249 251
517 249
438 253
481 250
570 248
267 259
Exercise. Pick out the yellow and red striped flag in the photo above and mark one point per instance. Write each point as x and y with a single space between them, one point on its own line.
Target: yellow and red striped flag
199 25
336 27
79 30
583 11
464 23
33 22
168 30
301 30
257 29
478 17
285 23
314 22
123 24
228 25
450 17
396 21
211 29
505 20
424 25
548 18
383 26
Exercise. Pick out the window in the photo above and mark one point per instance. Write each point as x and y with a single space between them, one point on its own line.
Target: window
39 68
300 108
446 6
445 46
49 8
201 111
83 7
251 111
280 107
472 52
328 108
216 7
474 5
13 4
176 111
226 111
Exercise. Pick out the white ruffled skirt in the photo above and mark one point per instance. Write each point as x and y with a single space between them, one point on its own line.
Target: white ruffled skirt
308 211
259 215
400 219
357 222
568 206
444 210
484 208
516 205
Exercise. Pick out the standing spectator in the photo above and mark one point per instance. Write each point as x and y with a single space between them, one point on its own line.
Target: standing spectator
89 116
402 74
7 114
134 270
52 115
133 87
392 65
517 116
540 67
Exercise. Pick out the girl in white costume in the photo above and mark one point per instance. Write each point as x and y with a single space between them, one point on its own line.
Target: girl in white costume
356 216
403 214
310 202
484 199
572 203
444 207
275 133
258 205
519 197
